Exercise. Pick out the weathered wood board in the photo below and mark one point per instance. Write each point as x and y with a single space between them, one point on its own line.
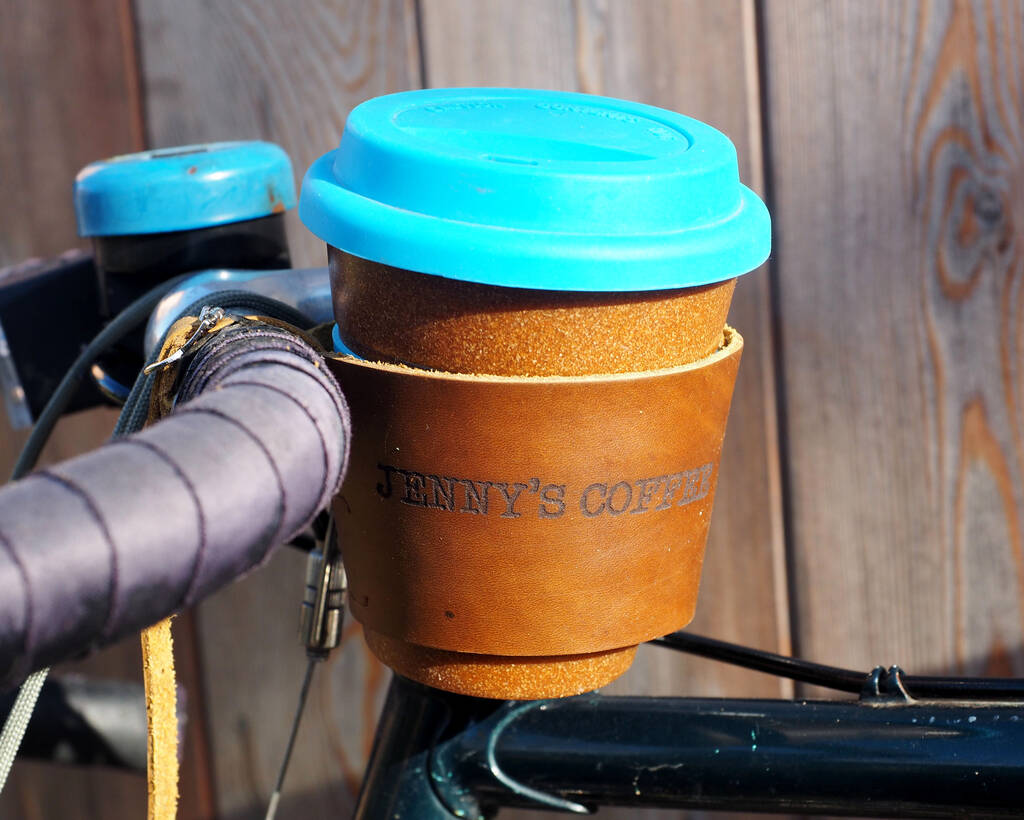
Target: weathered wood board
69 94
895 143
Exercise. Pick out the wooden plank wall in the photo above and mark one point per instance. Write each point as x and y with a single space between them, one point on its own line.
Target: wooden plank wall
69 94
897 176
871 502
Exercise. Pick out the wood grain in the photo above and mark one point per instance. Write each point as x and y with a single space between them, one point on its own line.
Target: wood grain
66 98
699 59
898 160
69 94
287 72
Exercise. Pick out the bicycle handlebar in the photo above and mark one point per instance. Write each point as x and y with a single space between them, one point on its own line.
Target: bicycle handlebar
102 545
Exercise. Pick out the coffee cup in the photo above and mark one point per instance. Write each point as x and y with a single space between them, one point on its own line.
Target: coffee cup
543 263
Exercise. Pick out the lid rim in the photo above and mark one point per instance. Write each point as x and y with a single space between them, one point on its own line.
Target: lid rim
536 259
532 189
180 189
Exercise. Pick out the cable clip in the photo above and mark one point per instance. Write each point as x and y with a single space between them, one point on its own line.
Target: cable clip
323 605
885 686
208 318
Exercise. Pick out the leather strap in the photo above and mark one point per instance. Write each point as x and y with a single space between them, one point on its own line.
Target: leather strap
157 643
530 516
158 673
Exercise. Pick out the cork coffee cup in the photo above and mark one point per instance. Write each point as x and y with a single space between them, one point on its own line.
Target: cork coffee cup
531 291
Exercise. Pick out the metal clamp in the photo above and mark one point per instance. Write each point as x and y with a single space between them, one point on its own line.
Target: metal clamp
208 318
323 610
323 604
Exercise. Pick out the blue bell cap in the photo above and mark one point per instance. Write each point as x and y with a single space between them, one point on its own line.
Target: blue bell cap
185 188
536 189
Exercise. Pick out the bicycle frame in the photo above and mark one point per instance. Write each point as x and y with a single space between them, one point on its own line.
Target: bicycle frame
439 756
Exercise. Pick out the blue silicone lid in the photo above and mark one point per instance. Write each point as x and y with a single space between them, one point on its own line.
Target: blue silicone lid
179 189
536 189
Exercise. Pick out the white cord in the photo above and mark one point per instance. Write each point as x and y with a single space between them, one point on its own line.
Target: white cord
17 722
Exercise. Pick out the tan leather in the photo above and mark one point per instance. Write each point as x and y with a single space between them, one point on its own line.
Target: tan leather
161 399
438 323
530 516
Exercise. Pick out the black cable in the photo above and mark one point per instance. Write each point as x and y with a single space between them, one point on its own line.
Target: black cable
925 686
275 796
135 410
834 677
123 324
